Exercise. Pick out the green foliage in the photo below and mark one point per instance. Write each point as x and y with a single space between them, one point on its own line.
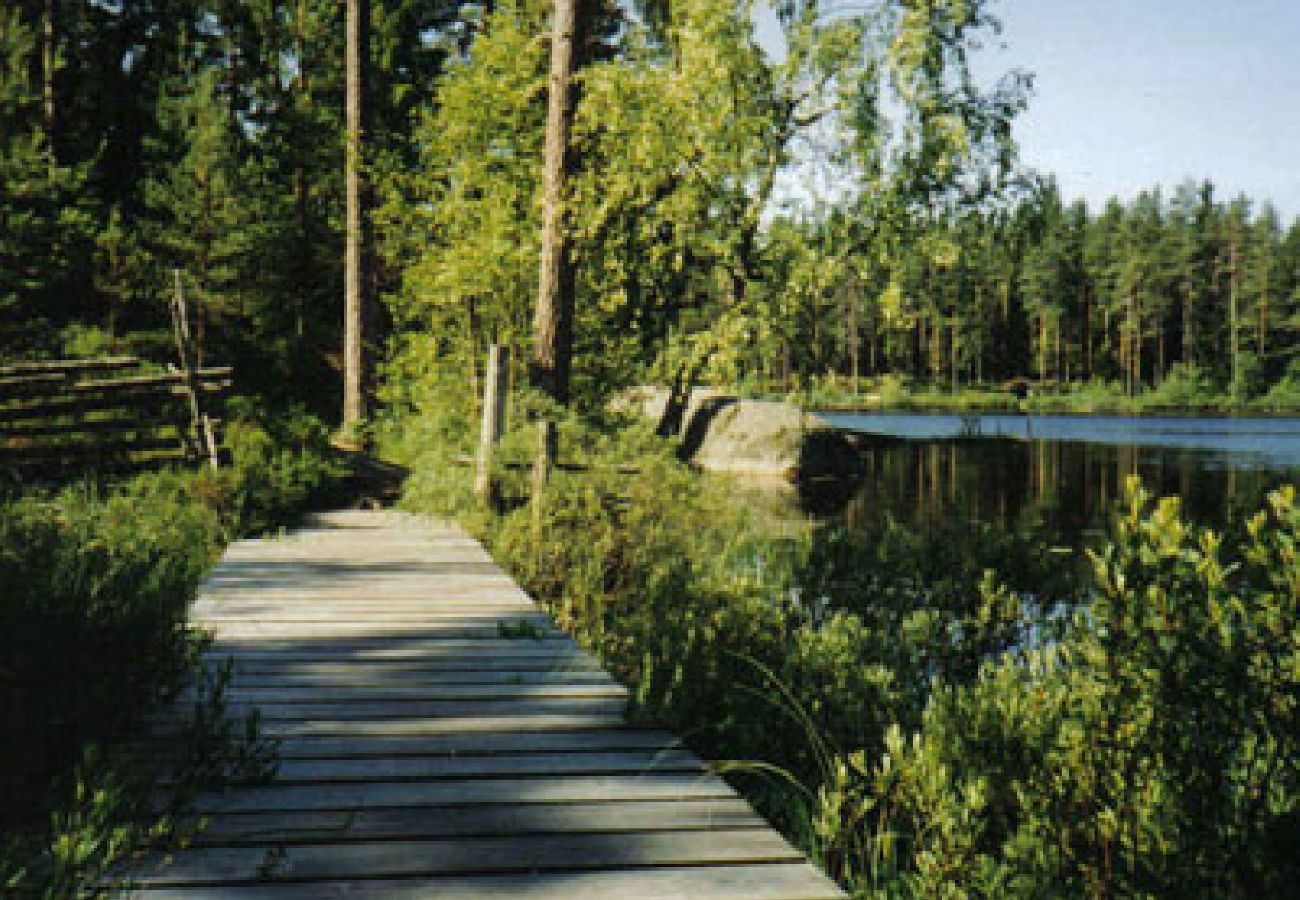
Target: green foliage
1150 752
681 135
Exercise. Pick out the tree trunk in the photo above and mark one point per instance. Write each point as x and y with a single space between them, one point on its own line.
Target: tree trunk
855 337
1135 342
301 190
553 316
1086 367
1042 348
1233 323
1263 316
356 280
49 67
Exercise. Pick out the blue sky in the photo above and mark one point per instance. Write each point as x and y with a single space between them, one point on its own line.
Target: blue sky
1131 94
1134 93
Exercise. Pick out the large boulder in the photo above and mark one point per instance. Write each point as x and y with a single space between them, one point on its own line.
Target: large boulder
722 433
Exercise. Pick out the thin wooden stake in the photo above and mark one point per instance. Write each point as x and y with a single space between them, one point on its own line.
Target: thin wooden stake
546 452
203 434
494 416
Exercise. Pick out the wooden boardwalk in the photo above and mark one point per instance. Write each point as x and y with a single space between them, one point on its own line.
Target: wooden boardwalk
439 738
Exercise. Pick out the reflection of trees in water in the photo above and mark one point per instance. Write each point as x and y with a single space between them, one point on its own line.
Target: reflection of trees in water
1066 487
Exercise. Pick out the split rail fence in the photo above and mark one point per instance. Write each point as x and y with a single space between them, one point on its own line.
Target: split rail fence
61 416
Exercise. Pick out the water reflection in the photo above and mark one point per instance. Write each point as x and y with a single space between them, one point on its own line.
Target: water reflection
1063 487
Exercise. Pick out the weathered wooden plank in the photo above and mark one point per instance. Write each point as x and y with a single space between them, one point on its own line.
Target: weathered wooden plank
342 670
68 366
420 648
476 743
432 621
243 683
261 829
766 881
441 725
429 709
429 768
281 702
466 628
314 696
471 792
516 853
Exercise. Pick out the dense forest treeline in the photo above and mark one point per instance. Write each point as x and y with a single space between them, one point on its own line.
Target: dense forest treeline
1058 292
208 135
205 135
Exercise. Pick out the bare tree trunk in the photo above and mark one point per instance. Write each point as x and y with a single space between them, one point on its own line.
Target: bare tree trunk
1087 333
855 337
49 67
356 282
1263 316
1135 343
1234 324
301 190
1042 348
553 316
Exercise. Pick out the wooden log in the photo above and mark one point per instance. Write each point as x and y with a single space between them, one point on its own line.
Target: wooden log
96 426
13 386
136 398
44 454
58 385
68 366
494 414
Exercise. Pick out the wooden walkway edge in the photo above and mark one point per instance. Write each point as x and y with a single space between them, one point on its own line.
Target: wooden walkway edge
441 738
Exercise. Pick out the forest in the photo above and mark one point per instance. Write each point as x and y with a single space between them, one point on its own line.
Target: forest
360 198
141 137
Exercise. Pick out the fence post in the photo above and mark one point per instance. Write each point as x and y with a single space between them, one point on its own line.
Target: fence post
494 415
546 452
204 437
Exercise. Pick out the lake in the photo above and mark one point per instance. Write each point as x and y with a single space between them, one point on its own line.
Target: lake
1060 473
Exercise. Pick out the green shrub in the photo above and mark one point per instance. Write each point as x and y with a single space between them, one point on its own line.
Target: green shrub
1153 751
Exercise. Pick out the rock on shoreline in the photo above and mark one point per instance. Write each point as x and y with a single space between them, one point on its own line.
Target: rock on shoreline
767 438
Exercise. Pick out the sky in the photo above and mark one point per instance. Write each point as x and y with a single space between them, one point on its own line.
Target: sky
1134 94
1130 94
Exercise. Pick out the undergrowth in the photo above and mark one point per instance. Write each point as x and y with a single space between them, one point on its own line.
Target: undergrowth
96 579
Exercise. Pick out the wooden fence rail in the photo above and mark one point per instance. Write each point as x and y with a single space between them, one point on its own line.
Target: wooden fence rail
60 416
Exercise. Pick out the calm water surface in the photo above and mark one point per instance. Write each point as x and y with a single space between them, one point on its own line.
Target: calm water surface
1062 473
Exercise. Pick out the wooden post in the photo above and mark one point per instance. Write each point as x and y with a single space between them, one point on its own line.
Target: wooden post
546 453
494 415
203 436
